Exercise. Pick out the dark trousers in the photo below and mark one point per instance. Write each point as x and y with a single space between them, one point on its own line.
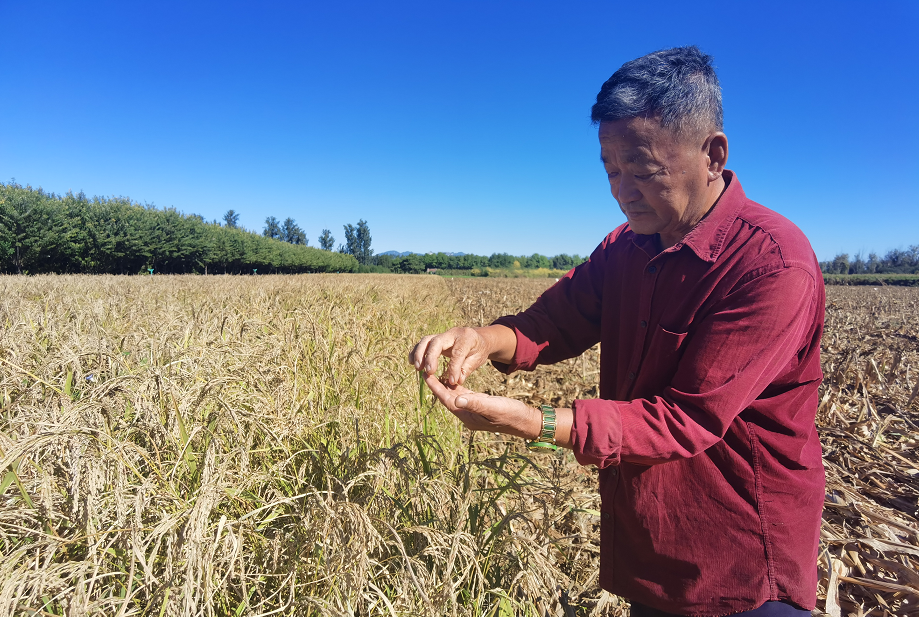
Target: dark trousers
769 609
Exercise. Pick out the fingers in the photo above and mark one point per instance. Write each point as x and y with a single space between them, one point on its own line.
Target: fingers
457 398
461 363
433 352
456 373
456 368
446 395
426 354
462 403
465 356
462 345
416 355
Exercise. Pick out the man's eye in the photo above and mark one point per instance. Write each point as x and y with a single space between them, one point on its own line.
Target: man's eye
612 174
645 176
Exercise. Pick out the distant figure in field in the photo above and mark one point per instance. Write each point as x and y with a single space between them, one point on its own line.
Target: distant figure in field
709 309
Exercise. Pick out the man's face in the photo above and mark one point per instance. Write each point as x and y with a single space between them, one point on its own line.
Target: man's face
660 179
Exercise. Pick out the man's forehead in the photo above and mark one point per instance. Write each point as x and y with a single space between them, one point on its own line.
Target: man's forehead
639 130
635 139
625 152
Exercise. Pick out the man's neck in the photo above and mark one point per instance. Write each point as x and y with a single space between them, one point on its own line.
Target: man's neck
714 193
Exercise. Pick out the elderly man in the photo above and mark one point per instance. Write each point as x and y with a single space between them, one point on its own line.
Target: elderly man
709 310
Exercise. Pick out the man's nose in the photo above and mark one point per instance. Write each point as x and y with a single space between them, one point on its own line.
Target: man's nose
625 190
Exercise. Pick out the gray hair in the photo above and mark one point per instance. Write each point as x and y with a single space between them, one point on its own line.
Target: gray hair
677 85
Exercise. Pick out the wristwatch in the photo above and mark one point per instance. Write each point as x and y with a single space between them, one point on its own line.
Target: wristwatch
546 440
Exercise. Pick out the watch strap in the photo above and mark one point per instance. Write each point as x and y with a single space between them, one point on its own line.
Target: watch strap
546 440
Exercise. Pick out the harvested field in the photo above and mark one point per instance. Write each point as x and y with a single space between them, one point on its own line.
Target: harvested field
246 445
869 423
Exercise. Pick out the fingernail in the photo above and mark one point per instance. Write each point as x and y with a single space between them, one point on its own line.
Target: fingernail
461 401
452 380
417 366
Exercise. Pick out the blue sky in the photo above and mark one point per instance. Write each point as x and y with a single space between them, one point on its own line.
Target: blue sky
455 126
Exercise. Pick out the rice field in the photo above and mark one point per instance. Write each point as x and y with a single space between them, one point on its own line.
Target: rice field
259 445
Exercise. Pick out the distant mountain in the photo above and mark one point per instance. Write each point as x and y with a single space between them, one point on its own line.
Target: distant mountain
407 253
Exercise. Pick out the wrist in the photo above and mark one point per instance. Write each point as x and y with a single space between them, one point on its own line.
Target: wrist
534 426
545 440
500 342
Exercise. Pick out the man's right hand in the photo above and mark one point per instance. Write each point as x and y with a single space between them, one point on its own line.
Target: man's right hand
467 348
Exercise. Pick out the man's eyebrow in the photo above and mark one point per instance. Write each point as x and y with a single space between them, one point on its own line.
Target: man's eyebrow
636 157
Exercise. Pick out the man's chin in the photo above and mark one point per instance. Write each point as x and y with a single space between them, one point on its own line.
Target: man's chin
643 229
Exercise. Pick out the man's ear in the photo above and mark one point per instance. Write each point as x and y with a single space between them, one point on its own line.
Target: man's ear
715 149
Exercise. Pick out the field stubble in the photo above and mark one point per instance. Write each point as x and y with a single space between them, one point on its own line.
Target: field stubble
256 445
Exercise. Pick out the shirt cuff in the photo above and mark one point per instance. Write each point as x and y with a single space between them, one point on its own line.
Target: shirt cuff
526 354
596 432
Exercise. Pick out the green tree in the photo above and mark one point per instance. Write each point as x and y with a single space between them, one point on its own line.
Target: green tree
21 218
231 219
326 241
538 261
384 261
840 264
272 228
292 233
410 264
500 260
437 260
858 265
565 261
357 242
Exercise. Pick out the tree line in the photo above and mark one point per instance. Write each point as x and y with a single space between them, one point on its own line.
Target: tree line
415 263
358 243
43 232
896 261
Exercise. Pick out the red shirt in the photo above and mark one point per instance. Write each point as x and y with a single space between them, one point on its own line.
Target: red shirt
711 477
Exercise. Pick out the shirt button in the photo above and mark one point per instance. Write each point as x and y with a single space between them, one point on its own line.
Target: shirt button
605 515
631 375
644 324
652 269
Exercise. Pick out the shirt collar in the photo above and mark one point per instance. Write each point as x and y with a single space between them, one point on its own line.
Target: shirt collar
707 238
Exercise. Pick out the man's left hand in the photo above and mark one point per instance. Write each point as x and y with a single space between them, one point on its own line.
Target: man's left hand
482 412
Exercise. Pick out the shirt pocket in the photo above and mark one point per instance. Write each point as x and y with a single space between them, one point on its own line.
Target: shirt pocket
661 360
